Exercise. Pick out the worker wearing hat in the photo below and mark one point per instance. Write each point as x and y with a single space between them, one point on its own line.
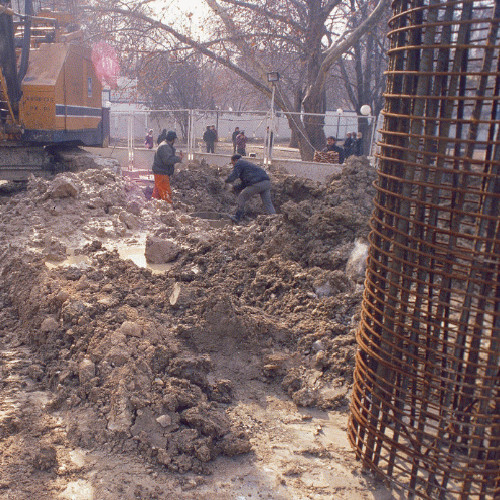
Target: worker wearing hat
163 167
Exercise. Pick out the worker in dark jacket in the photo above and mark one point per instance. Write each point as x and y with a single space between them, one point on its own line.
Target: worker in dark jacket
163 167
254 180
332 146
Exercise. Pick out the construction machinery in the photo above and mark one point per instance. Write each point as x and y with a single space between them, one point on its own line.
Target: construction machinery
50 95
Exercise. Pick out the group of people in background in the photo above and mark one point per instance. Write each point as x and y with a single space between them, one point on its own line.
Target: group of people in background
149 142
353 146
254 180
353 143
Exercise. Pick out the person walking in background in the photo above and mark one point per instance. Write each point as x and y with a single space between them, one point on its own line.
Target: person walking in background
148 141
162 136
209 138
241 143
163 167
254 180
348 142
233 137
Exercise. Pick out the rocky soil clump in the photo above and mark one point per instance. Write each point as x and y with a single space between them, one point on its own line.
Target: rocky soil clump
149 361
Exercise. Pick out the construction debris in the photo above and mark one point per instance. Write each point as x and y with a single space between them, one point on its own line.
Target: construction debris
154 362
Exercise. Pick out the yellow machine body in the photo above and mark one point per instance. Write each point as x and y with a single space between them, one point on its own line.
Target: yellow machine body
61 96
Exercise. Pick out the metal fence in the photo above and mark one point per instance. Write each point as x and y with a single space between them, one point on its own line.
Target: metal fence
269 134
425 410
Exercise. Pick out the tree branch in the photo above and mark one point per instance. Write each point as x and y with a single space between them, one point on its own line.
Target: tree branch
242 45
333 53
267 13
350 90
188 41
330 6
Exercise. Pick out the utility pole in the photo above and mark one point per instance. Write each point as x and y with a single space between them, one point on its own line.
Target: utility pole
273 78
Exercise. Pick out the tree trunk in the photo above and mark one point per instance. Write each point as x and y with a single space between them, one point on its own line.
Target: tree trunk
314 125
294 139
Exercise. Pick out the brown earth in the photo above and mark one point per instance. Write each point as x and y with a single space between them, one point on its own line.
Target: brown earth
227 375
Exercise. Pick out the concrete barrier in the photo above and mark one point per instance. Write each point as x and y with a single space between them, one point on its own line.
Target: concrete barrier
309 169
143 159
217 159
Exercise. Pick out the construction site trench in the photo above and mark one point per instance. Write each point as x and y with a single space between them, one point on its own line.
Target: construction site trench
218 366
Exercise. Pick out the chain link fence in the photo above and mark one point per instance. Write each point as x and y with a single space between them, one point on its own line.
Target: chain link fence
269 135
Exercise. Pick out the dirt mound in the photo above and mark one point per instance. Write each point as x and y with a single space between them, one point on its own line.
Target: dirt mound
152 362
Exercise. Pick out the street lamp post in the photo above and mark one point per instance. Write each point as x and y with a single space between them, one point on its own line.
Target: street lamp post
340 111
366 110
272 77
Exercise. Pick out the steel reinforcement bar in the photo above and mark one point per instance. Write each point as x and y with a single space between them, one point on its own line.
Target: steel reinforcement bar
425 409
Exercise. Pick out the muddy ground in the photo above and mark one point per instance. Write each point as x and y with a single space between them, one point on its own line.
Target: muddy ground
220 370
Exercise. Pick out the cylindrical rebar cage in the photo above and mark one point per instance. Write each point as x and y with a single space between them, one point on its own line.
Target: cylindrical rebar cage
425 409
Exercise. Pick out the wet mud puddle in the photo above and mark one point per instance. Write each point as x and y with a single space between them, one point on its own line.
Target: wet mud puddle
133 252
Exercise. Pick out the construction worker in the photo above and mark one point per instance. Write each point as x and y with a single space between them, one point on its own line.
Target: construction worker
331 145
254 180
163 167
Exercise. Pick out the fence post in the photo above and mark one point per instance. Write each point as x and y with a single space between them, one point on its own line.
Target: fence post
190 136
374 128
130 140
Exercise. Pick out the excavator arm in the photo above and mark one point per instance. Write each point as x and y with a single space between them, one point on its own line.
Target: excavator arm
10 76
10 87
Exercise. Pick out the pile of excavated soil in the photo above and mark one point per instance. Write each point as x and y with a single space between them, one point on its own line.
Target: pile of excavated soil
151 363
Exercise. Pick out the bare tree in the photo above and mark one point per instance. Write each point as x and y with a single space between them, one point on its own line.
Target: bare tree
302 26
360 69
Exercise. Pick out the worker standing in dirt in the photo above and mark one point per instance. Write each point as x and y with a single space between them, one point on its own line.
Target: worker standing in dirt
163 167
254 180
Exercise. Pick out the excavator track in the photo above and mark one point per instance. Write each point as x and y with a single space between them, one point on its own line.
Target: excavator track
18 161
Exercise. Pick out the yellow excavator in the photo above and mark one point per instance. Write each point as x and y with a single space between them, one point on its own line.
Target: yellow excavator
50 95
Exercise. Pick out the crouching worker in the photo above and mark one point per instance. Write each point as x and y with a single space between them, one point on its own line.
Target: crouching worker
254 180
163 167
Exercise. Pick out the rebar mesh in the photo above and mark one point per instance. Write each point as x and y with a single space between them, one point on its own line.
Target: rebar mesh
425 410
